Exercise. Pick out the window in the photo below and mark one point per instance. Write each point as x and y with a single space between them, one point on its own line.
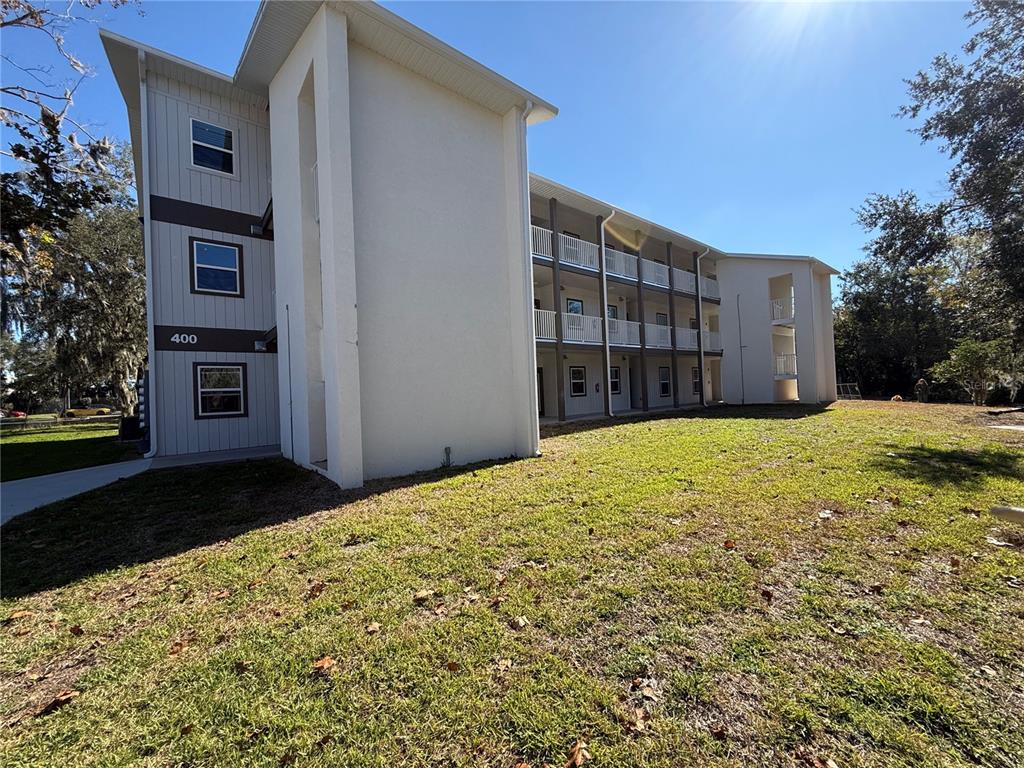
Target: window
216 267
220 390
613 312
661 318
695 374
693 323
577 381
574 306
664 382
212 147
615 386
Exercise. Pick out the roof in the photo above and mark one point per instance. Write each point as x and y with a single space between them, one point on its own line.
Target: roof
548 188
278 26
816 263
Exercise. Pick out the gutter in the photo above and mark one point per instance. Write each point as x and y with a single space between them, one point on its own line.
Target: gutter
147 247
531 331
604 320
700 330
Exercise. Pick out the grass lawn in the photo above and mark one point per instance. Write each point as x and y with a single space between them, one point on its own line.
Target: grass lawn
753 587
27 452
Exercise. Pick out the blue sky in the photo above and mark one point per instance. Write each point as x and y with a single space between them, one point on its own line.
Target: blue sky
753 127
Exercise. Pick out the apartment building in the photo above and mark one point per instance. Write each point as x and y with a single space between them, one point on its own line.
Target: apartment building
348 263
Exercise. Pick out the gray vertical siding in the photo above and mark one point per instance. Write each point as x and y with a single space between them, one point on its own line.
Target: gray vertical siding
171 104
178 431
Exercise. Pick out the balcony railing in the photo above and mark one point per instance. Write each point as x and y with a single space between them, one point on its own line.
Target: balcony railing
709 288
655 273
713 341
581 329
785 365
582 253
684 281
544 324
540 241
658 336
782 309
686 338
619 263
624 333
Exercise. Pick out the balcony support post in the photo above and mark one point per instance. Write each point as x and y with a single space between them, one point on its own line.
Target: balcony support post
643 326
603 304
700 328
556 290
672 325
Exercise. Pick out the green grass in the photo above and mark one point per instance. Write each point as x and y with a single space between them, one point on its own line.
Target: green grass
188 606
28 452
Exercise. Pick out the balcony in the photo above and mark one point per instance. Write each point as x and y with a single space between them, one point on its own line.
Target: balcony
712 341
781 311
658 336
684 281
655 273
544 324
619 263
709 288
623 333
540 242
581 329
785 366
686 338
582 253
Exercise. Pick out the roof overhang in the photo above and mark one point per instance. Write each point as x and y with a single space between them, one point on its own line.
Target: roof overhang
279 25
816 264
547 188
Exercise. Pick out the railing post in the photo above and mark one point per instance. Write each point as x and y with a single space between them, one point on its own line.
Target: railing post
603 304
556 289
674 378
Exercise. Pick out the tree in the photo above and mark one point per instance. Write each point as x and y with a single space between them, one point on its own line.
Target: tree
974 366
30 372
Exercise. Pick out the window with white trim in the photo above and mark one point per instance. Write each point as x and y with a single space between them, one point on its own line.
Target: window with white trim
220 390
614 380
664 382
216 267
577 381
695 375
213 147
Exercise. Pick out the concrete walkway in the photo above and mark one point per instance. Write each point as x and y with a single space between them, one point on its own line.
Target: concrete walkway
20 496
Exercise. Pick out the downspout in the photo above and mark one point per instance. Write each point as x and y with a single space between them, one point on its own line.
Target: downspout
147 249
531 352
604 321
700 329
739 323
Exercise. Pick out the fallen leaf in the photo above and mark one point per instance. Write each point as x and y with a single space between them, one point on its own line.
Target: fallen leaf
825 514
521 765
61 699
241 667
177 647
767 595
497 600
719 732
472 597
315 590
504 664
422 596
372 628
19 615
222 595
519 622
577 755
837 629
323 666
730 544
76 630
954 562
997 542
453 666
988 670
440 609
876 589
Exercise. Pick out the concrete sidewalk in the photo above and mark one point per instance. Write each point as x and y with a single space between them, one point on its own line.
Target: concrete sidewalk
20 496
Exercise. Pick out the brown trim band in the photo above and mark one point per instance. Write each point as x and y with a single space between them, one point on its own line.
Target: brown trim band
187 214
186 338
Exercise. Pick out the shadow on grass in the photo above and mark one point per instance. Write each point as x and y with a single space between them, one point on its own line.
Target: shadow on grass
160 513
783 411
35 452
944 466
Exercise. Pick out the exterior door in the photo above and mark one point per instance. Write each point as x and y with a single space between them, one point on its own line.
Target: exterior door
540 391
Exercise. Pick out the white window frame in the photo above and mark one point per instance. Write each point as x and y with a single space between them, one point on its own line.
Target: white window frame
237 270
582 381
200 391
615 381
193 141
695 378
665 385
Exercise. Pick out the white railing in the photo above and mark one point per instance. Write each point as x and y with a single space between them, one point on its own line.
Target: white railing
544 324
540 241
655 273
782 309
624 333
785 365
713 341
658 336
582 253
684 281
620 263
709 288
686 338
581 329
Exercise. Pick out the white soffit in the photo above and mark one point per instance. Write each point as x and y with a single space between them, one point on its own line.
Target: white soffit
278 26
